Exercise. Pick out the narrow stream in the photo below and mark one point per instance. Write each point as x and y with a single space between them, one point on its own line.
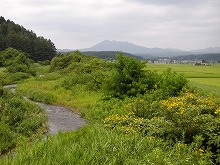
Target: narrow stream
59 118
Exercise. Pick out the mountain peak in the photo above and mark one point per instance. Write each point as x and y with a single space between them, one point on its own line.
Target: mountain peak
112 45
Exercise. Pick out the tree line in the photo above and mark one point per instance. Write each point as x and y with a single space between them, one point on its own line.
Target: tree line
16 36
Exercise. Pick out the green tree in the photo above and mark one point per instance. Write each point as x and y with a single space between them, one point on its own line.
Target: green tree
17 37
128 79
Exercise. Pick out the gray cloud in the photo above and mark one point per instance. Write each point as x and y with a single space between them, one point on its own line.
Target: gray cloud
188 24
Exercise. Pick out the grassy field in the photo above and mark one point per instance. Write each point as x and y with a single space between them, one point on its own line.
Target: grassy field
205 78
189 70
98 144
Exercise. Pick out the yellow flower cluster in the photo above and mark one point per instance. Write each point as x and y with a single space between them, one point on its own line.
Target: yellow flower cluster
191 101
217 112
128 123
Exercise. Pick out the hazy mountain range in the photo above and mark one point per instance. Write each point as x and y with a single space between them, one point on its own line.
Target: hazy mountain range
145 52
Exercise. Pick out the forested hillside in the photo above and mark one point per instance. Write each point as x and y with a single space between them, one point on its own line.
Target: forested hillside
16 36
211 56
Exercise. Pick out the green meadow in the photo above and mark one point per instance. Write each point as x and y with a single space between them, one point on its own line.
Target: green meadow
204 78
189 70
163 122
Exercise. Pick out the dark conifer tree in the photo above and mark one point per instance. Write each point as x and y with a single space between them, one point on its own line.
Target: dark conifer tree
16 36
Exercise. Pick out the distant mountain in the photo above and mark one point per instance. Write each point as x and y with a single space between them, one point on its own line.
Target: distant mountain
147 53
107 45
206 50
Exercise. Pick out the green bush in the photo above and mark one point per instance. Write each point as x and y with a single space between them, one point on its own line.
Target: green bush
14 110
18 76
130 79
46 62
212 140
63 61
18 118
4 78
127 80
7 138
172 83
41 96
49 76
93 81
176 118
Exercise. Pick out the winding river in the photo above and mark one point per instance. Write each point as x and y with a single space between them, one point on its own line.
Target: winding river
59 118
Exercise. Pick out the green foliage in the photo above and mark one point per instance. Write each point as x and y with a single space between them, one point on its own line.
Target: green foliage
49 76
212 140
17 37
21 64
92 81
18 66
62 61
41 96
109 54
172 83
46 62
17 118
96 145
179 118
6 138
130 79
127 80
162 125
16 77
4 78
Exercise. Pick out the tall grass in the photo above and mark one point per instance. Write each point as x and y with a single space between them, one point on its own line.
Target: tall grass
78 99
96 145
19 119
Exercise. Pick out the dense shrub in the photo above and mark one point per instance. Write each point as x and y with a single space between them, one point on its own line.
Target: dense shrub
127 80
49 76
41 96
172 83
64 60
7 138
130 79
4 78
18 118
18 66
177 118
18 76
92 81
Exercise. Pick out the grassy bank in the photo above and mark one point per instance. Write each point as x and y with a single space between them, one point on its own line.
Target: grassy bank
157 127
96 145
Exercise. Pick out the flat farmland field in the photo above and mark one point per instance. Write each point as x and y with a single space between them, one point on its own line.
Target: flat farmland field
189 70
204 78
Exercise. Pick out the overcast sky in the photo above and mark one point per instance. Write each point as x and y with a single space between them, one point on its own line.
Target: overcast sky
74 24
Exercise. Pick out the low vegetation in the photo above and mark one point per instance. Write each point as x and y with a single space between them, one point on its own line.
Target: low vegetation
136 115
20 120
